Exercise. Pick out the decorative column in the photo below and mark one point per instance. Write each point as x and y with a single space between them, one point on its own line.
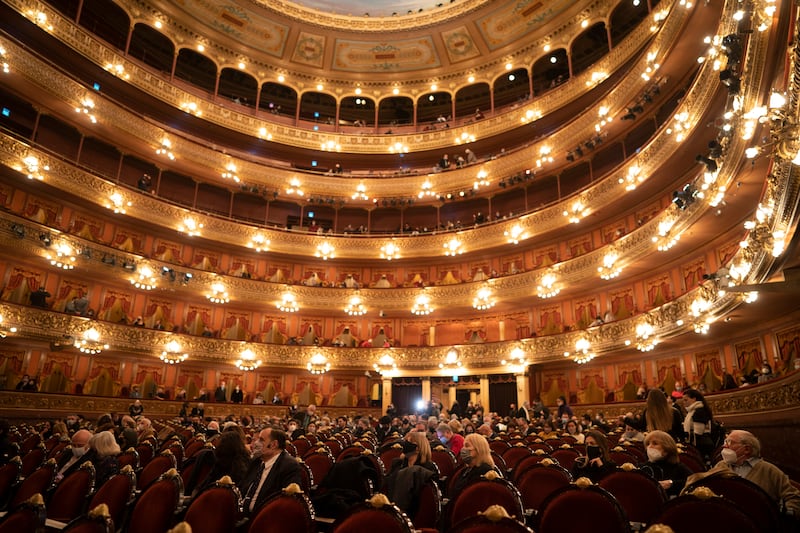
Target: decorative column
484 394
386 393
502 325
523 389
426 389
452 398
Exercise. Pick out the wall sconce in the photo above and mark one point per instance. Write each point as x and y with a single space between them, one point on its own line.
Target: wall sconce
516 360
451 360
465 138
294 187
192 108
481 180
288 304
87 108
318 364
34 169
118 70
361 192
390 251
422 305
330 146
515 233
426 189
665 240
172 353
645 340
609 269
4 331
325 250
386 365
165 149
398 148
146 279
577 212
248 361
218 294
230 173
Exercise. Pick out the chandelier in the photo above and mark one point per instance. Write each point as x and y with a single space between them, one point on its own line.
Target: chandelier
248 361
645 340
64 257
547 286
361 192
354 306
426 189
91 343
288 304
87 108
583 352
609 269
577 212
453 247
516 360
318 364
33 167
146 280
385 365
422 305
481 180
172 353
165 149
230 172
665 240
259 242
483 299
324 250
451 360
116 202
218 294
390 251
514 234
191 227
5 331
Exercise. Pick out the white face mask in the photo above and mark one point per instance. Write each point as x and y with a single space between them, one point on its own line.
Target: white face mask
258 448
654 455
729 456
78 452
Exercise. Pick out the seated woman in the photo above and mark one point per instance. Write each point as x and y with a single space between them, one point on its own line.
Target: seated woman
106 450
419 454
573 429
230 457
410 472
664 464
477 455
597 463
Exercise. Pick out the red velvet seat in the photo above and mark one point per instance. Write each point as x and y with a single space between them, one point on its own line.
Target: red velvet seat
539 481
28 516
637 492
445 461
334 446
702 510
155 508
695 465
748 496
177 450
129 457
293 506
390 453
97 520
320 463
565 456
499 445
193 447
514 455
374 515
37 483
116 493
146 450
69 499
494 519
157 466
9 476
301 446
535 458
33 459
429 512
216 508
584 506
30 442
621 456
57 449
354 450
499 462
476 497
307 481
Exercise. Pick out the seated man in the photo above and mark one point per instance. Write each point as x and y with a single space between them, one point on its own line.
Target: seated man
742 455
80 445
269 474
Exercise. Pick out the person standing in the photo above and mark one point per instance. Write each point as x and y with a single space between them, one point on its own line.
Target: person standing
237 396
221 394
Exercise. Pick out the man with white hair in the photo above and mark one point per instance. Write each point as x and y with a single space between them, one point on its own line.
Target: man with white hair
741 455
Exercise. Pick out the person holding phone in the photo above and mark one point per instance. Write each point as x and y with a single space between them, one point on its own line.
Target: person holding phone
597 463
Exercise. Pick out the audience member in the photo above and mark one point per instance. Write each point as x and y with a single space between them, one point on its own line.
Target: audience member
80 445
659 414
452 441
237 396
104 449
136 408
7 449
269 474
477 455
230 458
698 421
663 462
39 297
597 463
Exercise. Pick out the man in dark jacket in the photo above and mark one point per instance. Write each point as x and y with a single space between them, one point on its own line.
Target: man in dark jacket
269 474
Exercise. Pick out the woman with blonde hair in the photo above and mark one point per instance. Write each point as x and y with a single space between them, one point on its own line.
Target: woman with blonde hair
659 414
663 462
422 456
103 445
477 456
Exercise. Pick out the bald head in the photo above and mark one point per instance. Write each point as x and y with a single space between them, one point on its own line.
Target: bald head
81 438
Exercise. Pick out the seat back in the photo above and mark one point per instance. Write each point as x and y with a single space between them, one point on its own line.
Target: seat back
565 457
354 450
693 462
301 446
146 451
216 508
37 483
477 496
499 445
30 442
541 480
429 511
494 519
376 514
71 495
97 520
514 455
157 466
390 453
293 506
307 481
129 457
116 493
33 459
748 496
193 447
445 461
320 464
585 507
28 516
639 494
155 508
537 457
9 476
57 449
334 446
702 510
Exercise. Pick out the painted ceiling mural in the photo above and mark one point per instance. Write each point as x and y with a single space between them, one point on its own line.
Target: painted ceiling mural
253 23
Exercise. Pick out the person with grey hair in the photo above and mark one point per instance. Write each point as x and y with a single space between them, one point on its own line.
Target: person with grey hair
104 448
741 455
